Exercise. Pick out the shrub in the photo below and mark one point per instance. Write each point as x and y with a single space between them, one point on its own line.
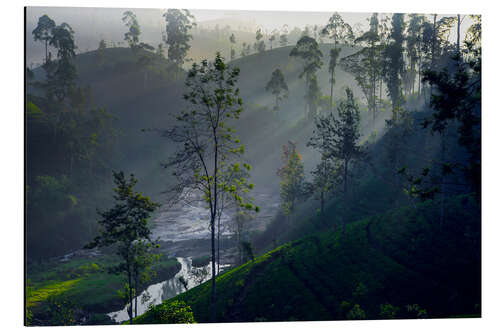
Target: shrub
176 312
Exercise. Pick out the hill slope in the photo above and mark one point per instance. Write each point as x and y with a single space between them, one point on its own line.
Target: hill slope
399 258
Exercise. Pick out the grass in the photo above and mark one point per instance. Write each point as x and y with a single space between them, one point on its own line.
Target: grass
402 257
85 281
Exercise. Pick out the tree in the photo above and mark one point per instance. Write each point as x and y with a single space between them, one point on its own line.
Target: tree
308 50
208 146
283 37
61 75
144 258
292 178
272 38
102 45
173 312
43 32
260 46
132 35
325 180
394 68
338 138
340 32
457 98
126 226
278 87
179 23
232 39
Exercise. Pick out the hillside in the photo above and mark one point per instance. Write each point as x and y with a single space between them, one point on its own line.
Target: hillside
142 96
382 264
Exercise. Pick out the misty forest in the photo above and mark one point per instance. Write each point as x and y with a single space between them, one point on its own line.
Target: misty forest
183 167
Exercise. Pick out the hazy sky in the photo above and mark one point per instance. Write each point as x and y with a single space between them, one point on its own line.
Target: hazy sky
93 24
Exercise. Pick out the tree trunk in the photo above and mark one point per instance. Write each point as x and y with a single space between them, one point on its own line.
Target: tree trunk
136 288
218 243
458 34
443 148
345 195
322 206
212 296
331 93
129 273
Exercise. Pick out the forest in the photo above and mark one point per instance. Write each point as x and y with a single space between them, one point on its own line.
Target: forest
231 172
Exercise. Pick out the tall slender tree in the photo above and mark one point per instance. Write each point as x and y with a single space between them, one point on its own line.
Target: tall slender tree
44 32
179 23
394 68
278 87
126 224
134 29
232 40
308 50
337 138
340 32
208 146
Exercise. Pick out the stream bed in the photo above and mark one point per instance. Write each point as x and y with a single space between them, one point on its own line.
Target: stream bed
158 292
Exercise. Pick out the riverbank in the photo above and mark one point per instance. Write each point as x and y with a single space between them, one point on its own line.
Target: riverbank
84 285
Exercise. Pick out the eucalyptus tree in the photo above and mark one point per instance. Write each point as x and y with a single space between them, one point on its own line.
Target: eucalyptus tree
326 178
337 138
308 50
278 87
179 23
126 226
134 29
283 37
44 32
365 65
413 49
232 40
340 32
292 178
395 65
208 147
259 46
61 76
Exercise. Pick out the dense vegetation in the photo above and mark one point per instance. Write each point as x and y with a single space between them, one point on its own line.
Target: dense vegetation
390 261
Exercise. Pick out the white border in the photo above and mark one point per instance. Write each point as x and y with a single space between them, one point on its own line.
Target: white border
13 154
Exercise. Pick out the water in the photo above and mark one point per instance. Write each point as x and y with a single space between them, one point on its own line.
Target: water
164 290
187 221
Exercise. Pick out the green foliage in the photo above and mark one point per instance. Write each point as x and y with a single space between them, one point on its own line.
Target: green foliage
458 98
63 311
44 32
416 311
308 50
126 225
388 311
396 258
292 177
132 35
394 67
337 138
356 313
278 87
176 312
179 23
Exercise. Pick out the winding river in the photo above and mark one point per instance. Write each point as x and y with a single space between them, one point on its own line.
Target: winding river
181 226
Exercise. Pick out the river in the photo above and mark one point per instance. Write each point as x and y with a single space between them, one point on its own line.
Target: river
183 229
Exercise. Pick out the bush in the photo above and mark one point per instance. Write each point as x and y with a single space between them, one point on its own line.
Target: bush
176 312
388 311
